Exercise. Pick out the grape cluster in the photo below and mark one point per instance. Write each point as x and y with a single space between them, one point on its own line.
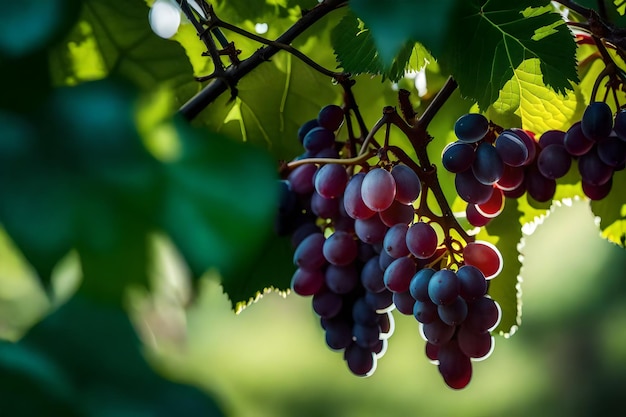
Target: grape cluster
359 247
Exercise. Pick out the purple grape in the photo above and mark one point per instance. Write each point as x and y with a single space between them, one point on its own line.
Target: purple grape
327 304
331 180
366 336
471 127
380 300
597 120
443 287
472 282
317 139
363 313
330 117
408 184
421 239
397 213
457 156
398 274
323 207
378 189
306 128
384 260
512 177
612 151
302 231
307 282
576 142
341 279
309 253
403 302
338 333
529 141
371 230
301 179
487 166
425 311
473 344
352 200
361 361
483 315
474 217
372 276
453 313
620 124
419 284
539 187
554 161
454 366
592 170
395 241
386 324
437 332
340 248
470 189
597 192
552 137
511 149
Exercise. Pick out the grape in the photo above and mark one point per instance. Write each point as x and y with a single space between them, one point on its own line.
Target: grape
408 184
352 200
419 284
366 336
378 189
164 18
471 127
395 241
372 276
323 207
301 179
330 117
492 207
404 302
457 156
443 287
552 137
327 153
307 282
384 260
511 149
331 180
473 344
554 161
386 324
338 333
487 166
421 239
597 120
380 348
371 230
309 253
397 213
512 178
454 366
327 304
592 170
306 128
425 311
474 217
340 248
576 142
398 274
437 332
453 313
361 361
483 315
483 256
597 192
432 352
317 139
365 251
612 151
341 279
516 192
472 282
620 124
529 141
363 313
539 187
302 231
379 301
470 189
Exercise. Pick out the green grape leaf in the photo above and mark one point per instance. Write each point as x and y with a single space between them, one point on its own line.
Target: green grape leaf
612 211
356 52
488 40
392 23
505 287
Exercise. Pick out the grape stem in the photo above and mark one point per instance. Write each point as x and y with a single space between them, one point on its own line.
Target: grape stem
357 160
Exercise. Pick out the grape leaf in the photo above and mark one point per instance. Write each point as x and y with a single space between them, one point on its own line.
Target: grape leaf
488 40
356 52
612 211
393 23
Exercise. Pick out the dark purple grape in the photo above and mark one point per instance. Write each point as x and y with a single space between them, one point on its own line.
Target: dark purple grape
366 336
352 200
539 187
597 192
372 276
397 213
361 361
483 315
302 231
323 207
612 151
419 284
421 239
331 180
330 117
453 313
307 282
380 300
515 193
471 127
338 333
620 124
473 344
340 248
487 166
494 206
378 189
327 304
309 253
395 241
512 177
576 142
470 189
408 184
472 282
380 348
457 156
301 179
403 302
432 351
437 332
371 230
398 274
341 279
597 120
552 137
317 139
592 170
443 287
306 128
384 260
363 313
425 311
530 142
554 161
327 153
386 324
474 217
511 149
454 366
